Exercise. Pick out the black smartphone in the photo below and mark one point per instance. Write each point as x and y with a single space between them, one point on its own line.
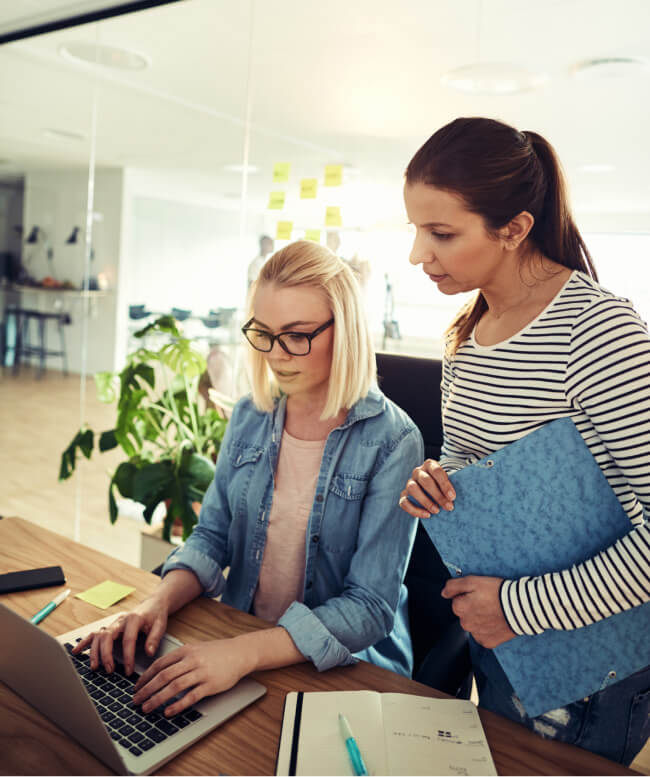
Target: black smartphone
27 579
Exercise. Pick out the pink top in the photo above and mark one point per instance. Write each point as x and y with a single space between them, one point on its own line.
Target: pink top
283 565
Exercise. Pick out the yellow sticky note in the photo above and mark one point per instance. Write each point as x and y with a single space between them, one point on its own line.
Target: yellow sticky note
308 188
333 216
313 235
281 172
276 200
283 231
105 594
333 175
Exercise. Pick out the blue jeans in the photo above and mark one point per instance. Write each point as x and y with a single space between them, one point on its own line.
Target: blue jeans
614 722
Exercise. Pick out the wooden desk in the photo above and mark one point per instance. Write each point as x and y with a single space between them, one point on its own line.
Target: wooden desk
247 744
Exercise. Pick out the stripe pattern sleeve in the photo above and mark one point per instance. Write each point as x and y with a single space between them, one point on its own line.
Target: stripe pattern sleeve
608 384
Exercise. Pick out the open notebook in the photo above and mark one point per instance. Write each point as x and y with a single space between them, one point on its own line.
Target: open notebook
396 733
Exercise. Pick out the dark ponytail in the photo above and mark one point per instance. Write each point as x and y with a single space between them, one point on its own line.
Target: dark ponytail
500 172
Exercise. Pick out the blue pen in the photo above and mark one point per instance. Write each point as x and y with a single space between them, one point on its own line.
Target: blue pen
49 607
353 749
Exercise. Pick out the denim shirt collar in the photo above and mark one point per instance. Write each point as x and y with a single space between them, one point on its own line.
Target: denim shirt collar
371 405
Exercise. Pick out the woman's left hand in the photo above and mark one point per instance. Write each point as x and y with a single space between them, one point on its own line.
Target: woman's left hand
202 670
477 604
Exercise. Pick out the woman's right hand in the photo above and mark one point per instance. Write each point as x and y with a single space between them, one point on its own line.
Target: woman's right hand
150 618
429 484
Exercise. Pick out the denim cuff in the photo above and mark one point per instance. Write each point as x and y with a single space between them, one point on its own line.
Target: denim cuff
205 568
313 640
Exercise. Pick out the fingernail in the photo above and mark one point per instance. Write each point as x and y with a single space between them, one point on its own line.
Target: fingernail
435 510
150 649
449 506
451 494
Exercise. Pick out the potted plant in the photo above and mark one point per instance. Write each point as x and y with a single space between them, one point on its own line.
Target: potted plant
171 443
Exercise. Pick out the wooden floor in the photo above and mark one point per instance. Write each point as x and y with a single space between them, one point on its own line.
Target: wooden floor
38 418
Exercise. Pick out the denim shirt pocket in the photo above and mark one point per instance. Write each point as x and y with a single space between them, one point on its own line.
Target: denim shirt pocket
340 526
240 453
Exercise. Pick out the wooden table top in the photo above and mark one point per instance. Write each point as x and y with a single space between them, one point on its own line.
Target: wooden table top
246 744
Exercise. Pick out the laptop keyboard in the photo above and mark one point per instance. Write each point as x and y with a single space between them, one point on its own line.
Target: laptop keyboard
112 695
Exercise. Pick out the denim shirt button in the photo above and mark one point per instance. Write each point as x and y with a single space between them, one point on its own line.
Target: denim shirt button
319 497
315 538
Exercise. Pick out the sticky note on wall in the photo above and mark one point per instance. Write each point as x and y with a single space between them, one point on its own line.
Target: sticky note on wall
308 188
313 235
333 175
281 172
333 216
276 201
283 230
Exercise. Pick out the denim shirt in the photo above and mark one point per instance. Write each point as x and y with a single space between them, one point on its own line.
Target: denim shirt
358 540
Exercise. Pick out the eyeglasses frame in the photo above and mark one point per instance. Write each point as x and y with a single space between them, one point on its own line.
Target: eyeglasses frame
309 335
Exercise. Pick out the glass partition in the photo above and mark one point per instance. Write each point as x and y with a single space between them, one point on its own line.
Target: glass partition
144 158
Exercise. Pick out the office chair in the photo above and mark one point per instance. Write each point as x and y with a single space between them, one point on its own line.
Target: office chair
440 646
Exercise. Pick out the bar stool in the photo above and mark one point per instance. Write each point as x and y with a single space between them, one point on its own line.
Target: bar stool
24 347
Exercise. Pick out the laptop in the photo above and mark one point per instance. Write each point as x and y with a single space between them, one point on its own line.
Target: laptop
95 707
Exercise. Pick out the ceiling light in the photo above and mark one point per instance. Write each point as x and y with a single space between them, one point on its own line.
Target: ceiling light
597 168
107 56
59 134
239 168
493 78
611 67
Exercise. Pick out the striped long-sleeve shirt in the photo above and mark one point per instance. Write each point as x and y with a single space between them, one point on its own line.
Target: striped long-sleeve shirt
586 357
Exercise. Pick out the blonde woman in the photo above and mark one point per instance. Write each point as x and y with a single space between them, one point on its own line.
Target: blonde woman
303 507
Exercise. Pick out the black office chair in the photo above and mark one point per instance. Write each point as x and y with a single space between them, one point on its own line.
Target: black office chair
440 645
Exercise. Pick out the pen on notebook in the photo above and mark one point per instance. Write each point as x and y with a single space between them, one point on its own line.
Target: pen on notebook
49 607
353 749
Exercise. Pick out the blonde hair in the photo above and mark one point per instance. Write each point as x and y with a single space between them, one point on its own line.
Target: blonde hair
353 370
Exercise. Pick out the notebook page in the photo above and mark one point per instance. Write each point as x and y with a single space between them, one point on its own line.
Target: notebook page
321 749
434 736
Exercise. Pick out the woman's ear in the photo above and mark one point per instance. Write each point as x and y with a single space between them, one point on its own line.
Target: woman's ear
513 234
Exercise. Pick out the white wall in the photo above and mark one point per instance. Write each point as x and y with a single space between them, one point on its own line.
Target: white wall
182 246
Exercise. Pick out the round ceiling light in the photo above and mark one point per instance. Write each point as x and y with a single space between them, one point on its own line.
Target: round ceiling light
493 78
611 67
107 56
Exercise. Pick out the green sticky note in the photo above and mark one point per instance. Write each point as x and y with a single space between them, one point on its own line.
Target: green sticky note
313 235
308 188
281 172
276 201
105 594
283 231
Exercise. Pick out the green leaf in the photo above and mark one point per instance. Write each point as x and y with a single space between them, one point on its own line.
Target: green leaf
182 358
83 441
153 481
112 504
199 470
107 441
165 324
105 386
124 477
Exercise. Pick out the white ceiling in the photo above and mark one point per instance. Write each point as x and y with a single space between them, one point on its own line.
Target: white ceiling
337 81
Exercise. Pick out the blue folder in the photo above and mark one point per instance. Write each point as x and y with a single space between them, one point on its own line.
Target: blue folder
542 504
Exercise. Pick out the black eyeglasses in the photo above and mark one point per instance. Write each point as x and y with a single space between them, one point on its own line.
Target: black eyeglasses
294 343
